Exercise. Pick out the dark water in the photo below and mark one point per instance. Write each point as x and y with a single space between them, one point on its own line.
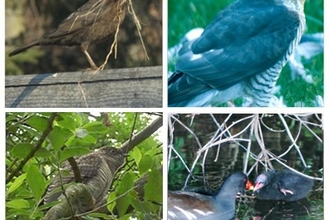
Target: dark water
232 155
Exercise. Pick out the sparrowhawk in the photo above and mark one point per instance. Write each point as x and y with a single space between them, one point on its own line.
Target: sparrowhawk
240 53
97 171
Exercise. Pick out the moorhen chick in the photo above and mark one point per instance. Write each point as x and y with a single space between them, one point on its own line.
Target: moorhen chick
281 185
191 205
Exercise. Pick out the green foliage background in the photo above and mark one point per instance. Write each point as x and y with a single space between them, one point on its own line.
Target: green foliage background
186 15
81 133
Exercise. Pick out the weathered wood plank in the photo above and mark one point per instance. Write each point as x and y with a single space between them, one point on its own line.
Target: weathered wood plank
118 88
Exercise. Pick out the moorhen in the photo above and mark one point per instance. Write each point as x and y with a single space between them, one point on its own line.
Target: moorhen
191 205
281 185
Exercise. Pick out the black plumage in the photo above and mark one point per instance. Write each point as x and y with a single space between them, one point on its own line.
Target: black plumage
282 185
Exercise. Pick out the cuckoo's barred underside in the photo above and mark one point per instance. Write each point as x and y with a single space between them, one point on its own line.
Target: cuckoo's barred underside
97 172
240 53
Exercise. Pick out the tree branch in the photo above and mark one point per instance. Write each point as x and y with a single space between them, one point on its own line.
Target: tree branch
142 135
35 149
75 169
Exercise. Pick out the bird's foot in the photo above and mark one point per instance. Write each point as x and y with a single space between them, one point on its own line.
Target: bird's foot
101 67
285 191
89 58
89 70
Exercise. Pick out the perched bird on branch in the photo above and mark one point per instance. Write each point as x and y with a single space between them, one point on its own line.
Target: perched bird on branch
240 53
95 21
97 171
77 199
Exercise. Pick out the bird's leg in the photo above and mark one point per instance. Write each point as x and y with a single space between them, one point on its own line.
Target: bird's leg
84 47
284 191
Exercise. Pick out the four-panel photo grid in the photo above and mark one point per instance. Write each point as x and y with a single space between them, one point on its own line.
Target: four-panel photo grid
165 109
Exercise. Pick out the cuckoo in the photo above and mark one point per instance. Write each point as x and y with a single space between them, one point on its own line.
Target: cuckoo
97 171
94 21
240 54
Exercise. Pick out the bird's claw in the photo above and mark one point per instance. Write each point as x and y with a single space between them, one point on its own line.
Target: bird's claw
285 191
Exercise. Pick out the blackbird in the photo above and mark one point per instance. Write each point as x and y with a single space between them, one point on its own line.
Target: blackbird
94 21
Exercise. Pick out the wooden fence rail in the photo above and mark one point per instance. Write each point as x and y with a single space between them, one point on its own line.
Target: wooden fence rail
116 88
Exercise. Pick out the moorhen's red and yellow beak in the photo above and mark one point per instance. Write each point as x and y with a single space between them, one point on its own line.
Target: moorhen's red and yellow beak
249 185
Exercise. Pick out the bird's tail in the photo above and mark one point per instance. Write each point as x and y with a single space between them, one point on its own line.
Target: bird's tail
24 48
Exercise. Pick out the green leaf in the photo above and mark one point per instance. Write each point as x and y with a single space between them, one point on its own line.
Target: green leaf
153 189
111 201
11 117
136 154
18 204
24 193
67 120
13 213
145 207
72 152
17 183
36 181
95 127
21 150
128 216
98 216
43 153
145 164
38 122
78 118
58 136
125 185
89 139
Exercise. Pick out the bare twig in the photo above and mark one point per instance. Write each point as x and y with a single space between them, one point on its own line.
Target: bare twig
188 129
256 129
138 27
